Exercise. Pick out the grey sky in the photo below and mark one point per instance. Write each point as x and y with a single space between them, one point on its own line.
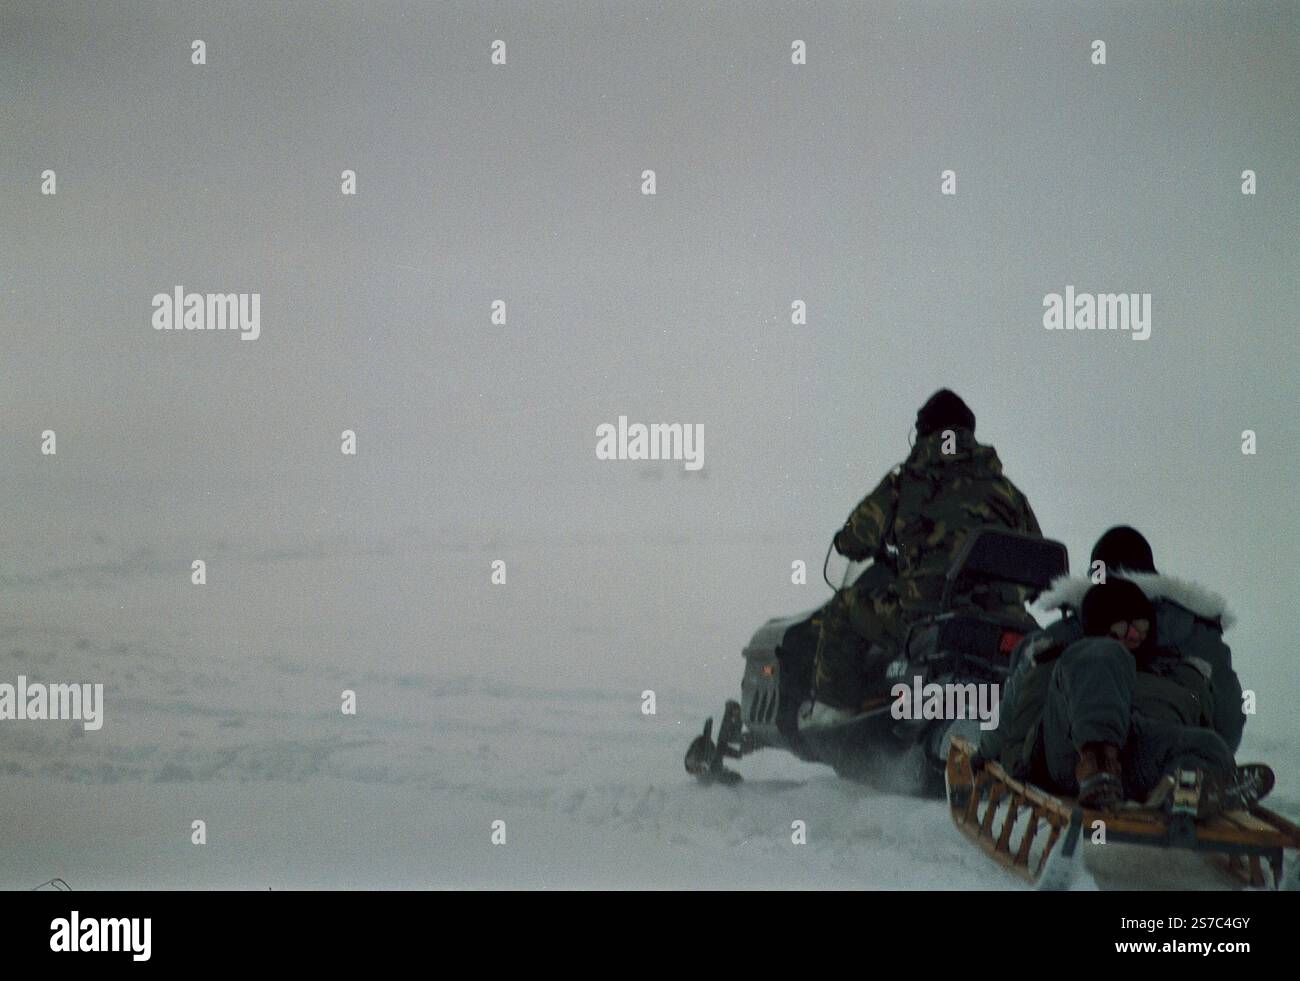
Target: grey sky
775 183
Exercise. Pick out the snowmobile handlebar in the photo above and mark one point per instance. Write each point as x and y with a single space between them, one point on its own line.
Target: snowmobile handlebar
875 560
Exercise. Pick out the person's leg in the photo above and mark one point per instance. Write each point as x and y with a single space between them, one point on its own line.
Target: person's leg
1156 748
1088 701
838 679
881 623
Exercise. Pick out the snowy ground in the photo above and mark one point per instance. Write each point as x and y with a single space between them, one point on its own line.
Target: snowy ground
477 703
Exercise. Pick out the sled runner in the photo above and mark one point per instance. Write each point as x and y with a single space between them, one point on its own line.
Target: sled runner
1022 827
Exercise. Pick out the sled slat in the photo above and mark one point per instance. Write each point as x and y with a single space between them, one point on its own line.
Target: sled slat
1256 873
1278 823
1013 812
973 804
996 792
1027 842
1248 821
1047 851
1231 829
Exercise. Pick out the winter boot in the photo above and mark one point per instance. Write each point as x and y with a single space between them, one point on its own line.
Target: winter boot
1099 777
1248 784
1198 795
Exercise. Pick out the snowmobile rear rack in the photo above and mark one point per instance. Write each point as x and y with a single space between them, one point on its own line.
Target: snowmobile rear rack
994 554
988 808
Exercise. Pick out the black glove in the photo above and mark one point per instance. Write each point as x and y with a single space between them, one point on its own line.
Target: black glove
845 545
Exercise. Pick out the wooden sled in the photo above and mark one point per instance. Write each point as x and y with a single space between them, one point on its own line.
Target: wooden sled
1022 826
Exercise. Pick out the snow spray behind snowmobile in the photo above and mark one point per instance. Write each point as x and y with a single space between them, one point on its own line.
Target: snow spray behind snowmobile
958 645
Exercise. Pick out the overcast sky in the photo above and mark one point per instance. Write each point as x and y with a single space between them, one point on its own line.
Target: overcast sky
775 182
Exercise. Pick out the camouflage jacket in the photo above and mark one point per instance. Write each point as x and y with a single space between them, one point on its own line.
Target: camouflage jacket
919 515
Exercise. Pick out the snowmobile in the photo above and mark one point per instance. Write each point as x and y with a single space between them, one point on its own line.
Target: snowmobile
956 645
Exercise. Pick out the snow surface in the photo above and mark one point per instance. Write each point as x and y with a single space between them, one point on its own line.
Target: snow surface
477 703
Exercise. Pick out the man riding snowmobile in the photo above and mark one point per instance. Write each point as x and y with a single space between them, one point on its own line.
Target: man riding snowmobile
912 525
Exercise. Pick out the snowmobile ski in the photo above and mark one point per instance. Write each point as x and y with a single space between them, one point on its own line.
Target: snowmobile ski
704 758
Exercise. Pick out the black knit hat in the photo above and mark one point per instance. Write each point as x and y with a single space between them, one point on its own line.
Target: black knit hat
1111 602
1123 547
943 410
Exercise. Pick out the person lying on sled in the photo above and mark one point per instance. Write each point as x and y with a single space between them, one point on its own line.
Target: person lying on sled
1189 619
1114 715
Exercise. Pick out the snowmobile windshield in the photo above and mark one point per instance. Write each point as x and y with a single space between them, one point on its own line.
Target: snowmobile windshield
853 571
840 572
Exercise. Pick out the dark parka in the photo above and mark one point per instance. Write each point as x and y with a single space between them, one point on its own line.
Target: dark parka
919 515
1189 679
913 524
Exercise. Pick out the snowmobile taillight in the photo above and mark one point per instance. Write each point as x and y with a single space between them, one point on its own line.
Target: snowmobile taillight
769 670
1008 642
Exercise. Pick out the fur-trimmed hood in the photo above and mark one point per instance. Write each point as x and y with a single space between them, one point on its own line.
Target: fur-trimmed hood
1067 592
